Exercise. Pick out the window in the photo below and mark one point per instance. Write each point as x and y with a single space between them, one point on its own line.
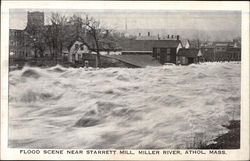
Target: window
168 58
158 57
163 50
235 55
183 60
76 46
168 51
82 48
158 50
86 63
154 52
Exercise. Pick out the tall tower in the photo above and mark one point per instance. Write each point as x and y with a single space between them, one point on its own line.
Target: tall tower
35 19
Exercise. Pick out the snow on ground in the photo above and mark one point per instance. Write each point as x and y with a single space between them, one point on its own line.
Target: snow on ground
154 107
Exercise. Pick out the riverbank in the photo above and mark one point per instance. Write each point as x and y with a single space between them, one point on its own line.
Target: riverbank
230 140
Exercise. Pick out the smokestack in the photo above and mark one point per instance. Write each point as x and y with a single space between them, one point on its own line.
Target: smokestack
168 36
158 36
148 33
139 34
178 37
172 36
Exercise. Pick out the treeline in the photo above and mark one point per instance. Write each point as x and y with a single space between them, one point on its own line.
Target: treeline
62 31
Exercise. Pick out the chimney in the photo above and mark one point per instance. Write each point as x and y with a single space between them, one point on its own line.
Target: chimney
158 36
139 34
178 37
168 36
172 36
148 33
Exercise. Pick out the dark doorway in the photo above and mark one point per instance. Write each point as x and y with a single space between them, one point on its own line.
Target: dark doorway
190 60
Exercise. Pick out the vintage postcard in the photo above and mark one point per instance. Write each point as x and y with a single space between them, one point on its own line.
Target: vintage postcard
124 80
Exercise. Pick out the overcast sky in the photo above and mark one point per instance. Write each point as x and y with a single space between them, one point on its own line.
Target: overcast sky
116 19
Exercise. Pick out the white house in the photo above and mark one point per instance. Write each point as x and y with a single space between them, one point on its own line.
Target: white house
77 51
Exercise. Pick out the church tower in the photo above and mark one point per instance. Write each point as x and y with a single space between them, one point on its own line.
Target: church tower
35 19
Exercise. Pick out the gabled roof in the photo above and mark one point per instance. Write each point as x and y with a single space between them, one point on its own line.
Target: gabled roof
147 45
190 53
78 41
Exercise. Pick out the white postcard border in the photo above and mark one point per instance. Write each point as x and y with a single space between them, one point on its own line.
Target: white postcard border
241 154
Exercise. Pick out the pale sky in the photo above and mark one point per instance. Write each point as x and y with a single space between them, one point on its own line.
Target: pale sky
116 19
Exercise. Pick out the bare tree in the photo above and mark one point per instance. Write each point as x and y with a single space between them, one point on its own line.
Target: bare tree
56 33
35 39
93 28
102 37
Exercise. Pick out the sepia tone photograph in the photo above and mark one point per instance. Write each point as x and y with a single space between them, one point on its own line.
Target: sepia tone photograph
124 79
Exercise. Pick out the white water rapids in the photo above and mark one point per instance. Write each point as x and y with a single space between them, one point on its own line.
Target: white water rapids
154 107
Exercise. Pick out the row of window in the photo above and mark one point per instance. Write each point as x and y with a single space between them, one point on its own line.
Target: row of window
166 58
76 56
16 43
16 33
162 50
221 49
20 53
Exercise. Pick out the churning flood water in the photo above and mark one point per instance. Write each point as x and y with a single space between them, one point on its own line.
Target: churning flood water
154 107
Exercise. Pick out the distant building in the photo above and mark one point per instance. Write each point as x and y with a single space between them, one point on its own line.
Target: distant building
35 19
227 51
156 37
166 51
147 37
222 51
208 53
221 46
17 44
206 44
163 50
234 53
77 52
237 42
189 56
19 40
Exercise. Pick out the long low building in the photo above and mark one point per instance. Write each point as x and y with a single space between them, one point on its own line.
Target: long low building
162 50
137 60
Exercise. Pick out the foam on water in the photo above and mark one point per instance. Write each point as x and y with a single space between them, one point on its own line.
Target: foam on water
153 107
